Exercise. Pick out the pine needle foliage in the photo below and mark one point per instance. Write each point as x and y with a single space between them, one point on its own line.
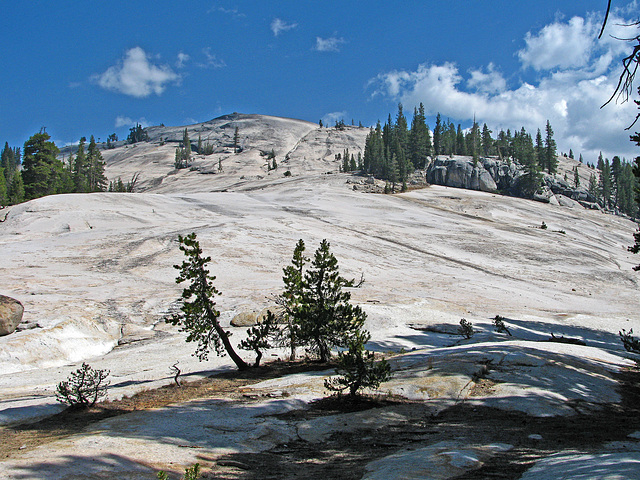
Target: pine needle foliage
84 387
198 315
357 368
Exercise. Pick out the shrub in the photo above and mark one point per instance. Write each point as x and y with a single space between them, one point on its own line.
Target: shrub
357 368
83 388
466 328
631 344
498 323
190 473
261 336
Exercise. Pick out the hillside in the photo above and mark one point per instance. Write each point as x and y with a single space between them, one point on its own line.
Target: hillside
94 272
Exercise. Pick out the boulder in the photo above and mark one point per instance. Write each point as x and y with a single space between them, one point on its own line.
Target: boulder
11 311
459 172
251 318
245 319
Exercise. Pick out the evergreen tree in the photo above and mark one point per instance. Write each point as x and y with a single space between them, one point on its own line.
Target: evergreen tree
186 145
576 177
550 150
80 169
593 186
531 179
487 141
4 199
419 147
401 130
236 140
324 315
460 143
96 180
539 151
42 172
198 316
437 136
605 184
15 189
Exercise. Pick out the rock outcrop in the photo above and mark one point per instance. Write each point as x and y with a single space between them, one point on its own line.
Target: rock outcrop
493 175
460 172
11 311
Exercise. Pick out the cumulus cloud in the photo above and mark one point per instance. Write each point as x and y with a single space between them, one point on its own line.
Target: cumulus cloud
182 60
330 119
574 81
562 45
331 44
278 26
122 121
136 76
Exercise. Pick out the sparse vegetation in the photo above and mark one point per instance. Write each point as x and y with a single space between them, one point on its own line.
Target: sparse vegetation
84 387
137 134
466 328
631 343
261 337
198 316
190 473
498 323
357 368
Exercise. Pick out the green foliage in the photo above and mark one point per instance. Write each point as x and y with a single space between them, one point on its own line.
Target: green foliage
543 226
137 134
631 344
498 323
198 316
83 388
42 173
190 473
466 328
324 315
261 337
357 368
291 298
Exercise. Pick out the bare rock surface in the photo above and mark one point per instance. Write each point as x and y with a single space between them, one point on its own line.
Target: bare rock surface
11 311
97 270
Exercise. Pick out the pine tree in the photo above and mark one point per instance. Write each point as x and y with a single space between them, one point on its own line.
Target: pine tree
576 177
15 189
487 141
95 175
80 169
539 151
325 316
198 316
437 136
419 147
236 140
42 172
4 199
550 150
531 179
186 145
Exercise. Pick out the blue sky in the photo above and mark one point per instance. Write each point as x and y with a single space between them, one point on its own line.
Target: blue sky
82 68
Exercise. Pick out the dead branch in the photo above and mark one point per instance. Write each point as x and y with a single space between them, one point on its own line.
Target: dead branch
176 372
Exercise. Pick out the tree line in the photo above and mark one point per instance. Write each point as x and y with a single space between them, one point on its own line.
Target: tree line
38 171
394 150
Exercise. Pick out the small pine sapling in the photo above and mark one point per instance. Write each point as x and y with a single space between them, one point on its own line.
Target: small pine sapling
190 473
631 344
83 388
498 323
466 328
261 336
357 368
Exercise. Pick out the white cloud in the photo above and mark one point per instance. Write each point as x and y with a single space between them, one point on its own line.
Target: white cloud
490 82
330 119
570 96
136 76
562 45
278 26
211 60
331 44
182 60
122 121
